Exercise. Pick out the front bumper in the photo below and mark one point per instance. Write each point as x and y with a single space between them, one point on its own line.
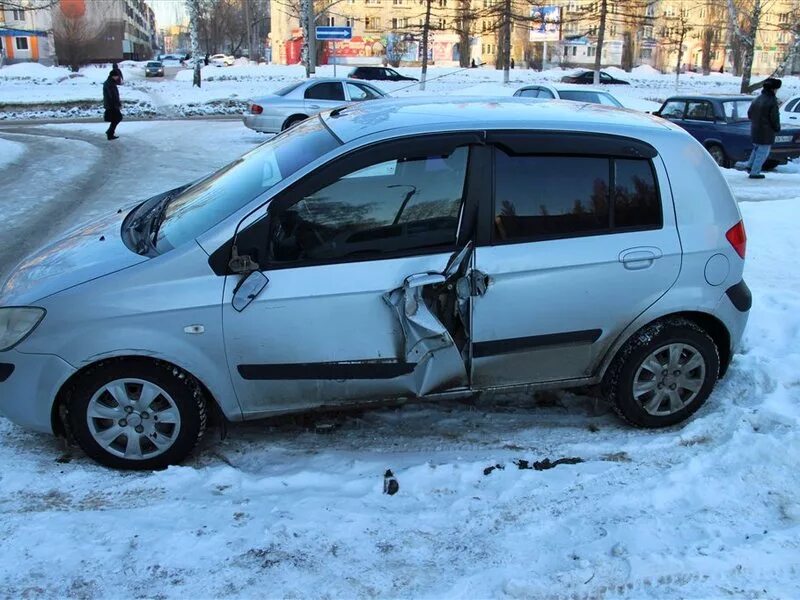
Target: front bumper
265 123
27 393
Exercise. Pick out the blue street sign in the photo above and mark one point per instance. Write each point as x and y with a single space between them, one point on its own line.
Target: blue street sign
334 33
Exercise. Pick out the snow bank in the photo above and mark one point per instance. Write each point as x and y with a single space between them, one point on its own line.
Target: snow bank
33 71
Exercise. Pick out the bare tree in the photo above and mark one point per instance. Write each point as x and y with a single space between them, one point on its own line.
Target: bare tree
426 31
744 22
675 29
74 36
193 8
601 34
396 49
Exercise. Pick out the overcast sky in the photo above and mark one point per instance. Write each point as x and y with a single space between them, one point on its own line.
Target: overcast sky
168 12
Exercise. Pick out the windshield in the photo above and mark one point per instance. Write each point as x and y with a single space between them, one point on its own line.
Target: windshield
209 201
736 110
288 89
154 64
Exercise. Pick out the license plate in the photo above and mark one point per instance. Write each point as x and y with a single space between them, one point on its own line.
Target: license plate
782 139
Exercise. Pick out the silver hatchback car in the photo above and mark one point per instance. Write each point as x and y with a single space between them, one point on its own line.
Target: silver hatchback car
392 249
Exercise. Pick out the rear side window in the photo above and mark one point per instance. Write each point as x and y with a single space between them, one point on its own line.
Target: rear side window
529 93
547 197
330 90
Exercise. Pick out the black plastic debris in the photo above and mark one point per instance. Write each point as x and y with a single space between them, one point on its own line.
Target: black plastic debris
542 465
390 485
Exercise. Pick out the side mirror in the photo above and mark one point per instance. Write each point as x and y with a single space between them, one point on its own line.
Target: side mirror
657 113
248 289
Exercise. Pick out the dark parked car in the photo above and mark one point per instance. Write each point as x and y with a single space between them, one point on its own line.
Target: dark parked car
588 77
720 123
154 68
379 74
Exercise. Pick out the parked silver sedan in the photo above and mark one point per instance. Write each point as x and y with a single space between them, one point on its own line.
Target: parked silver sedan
416 248
298 101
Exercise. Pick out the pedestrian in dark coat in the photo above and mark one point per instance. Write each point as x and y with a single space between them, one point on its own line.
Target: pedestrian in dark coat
765 122
112 104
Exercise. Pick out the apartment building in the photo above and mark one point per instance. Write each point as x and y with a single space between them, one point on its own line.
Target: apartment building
562 32
26 36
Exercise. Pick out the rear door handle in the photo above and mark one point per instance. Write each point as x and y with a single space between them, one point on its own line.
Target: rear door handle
640 257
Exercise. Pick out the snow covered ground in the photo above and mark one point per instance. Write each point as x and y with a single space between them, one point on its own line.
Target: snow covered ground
707 510
34 91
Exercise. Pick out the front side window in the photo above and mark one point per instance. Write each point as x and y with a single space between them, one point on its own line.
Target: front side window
360 92
673 109
546 197
408 204
534 93
209 201
590 97
330 90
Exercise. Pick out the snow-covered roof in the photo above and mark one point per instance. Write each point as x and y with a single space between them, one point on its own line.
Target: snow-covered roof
372 117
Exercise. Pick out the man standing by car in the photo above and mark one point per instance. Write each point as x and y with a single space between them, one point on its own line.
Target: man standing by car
112 104
764 124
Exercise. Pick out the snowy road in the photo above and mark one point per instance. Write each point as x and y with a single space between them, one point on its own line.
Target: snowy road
710 509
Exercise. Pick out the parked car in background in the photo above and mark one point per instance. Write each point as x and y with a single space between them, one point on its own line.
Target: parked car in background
578 94
154 68
379 74
587 77
221 60
720 123
298 101
790 112
415 248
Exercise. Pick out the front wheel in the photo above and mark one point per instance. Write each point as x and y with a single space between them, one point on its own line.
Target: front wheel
663 374
137 415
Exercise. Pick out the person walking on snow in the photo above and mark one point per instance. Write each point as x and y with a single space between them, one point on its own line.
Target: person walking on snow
112 104
764 124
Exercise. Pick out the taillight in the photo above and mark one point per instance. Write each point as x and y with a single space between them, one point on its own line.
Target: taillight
256 109
738 238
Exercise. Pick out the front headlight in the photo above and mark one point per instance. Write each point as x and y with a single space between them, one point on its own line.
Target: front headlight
16 323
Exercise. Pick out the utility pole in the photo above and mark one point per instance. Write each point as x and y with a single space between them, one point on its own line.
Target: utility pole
312 37
506 40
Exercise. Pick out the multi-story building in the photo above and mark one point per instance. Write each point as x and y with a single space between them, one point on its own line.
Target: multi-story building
103 30
25 36
637 32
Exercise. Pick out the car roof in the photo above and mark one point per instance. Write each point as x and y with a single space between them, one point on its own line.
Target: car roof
473 112
710 97
564 87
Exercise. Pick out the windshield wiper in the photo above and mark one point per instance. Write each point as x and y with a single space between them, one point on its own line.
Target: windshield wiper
159 213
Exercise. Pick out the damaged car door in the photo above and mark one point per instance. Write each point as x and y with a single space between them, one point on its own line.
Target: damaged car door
362 259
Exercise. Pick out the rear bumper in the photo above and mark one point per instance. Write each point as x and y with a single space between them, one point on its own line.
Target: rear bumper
264 123
783 155
30 387
733 310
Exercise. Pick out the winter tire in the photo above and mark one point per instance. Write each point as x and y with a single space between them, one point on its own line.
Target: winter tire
292 121
137 414
770 165
663 374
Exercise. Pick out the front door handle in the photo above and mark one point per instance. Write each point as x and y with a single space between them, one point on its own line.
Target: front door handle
641 257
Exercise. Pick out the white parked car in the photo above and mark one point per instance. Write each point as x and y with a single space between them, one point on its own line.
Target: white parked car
221 60
790 112
582 93
298 101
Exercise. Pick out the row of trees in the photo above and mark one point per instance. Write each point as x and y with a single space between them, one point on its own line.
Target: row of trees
720 25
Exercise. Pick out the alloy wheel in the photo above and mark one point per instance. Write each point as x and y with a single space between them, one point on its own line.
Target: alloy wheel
133 419
669 379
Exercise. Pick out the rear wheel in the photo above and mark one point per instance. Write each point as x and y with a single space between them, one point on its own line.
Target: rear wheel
717 152
136 414
769 165
663 374
292 121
